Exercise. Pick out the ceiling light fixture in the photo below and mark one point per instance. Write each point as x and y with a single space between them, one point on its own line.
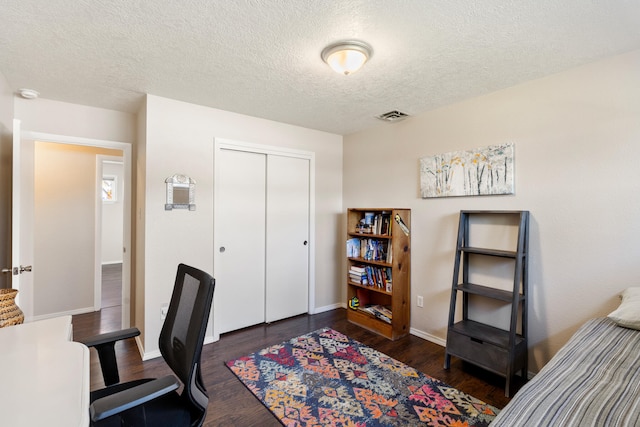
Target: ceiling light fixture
346 57
29 93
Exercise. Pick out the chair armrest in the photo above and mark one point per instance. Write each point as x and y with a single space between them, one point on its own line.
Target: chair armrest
129 398
105 345
110 337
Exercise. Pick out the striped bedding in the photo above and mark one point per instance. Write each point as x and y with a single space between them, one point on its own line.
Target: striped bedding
594 380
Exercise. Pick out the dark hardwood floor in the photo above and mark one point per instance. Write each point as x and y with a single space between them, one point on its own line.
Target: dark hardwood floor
231 404
111 285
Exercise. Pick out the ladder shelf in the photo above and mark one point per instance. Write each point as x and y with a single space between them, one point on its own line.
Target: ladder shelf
502 351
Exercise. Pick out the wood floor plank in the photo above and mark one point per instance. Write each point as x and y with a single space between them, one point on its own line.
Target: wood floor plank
231 404
111 285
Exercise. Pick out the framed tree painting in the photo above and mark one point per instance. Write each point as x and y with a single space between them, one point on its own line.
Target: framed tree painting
479 172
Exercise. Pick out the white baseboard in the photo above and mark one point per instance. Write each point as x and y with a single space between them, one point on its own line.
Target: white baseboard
148 355
426 336
140 347
62 313
327 308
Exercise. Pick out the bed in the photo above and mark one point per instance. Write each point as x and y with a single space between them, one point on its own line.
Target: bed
593 380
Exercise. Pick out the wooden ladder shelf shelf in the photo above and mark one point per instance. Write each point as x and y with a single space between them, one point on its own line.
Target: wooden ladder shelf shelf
502 351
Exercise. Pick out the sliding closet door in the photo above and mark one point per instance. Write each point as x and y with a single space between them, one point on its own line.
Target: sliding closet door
287 281
240 225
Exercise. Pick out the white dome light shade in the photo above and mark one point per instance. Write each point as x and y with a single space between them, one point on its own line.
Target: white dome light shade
346 57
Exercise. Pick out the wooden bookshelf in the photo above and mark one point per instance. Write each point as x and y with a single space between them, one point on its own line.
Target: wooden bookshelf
379 269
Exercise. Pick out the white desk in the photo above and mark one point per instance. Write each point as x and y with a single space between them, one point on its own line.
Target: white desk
44 376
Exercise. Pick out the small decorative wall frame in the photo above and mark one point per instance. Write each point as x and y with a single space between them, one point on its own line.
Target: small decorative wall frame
478 172
109 189
181 193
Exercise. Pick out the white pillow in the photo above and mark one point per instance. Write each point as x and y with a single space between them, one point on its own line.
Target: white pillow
628 313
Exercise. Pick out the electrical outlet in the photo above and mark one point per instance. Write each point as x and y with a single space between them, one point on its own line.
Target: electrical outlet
163 311
420 301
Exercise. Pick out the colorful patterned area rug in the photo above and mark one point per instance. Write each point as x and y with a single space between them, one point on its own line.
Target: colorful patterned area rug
324 378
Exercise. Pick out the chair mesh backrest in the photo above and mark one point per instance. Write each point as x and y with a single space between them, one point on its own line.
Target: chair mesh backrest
183 331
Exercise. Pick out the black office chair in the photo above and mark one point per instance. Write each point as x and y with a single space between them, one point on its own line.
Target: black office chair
155 402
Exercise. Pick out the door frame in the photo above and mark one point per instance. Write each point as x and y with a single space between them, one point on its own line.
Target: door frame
101 159
229 144
126 199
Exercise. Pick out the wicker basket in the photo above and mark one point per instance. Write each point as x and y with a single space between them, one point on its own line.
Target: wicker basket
10 313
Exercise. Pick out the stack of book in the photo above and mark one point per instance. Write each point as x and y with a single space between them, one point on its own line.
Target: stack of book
379 311
358 274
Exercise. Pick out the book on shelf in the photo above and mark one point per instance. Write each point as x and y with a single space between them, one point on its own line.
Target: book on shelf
382 223
383 311
374 250
379 311
377 277
363 296
375 223
353 248
360 280
369 218
370 276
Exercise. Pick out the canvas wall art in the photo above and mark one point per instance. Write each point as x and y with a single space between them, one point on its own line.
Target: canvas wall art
479 172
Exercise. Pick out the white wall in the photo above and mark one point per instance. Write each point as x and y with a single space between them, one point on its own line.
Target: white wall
112 216
6 119
577 143
6 103
64 224
62 118
180 139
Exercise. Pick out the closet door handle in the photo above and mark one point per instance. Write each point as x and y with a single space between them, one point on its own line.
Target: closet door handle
305 243
222 249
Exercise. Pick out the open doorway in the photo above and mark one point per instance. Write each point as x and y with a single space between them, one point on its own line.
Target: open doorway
110 188
67 227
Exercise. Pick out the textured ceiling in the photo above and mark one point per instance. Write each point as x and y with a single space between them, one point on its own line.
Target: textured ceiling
262 58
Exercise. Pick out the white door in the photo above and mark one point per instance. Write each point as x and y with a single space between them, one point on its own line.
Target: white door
240 237
287 274
21 219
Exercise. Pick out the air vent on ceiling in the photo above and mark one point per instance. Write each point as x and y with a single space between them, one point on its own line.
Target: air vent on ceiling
393 116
